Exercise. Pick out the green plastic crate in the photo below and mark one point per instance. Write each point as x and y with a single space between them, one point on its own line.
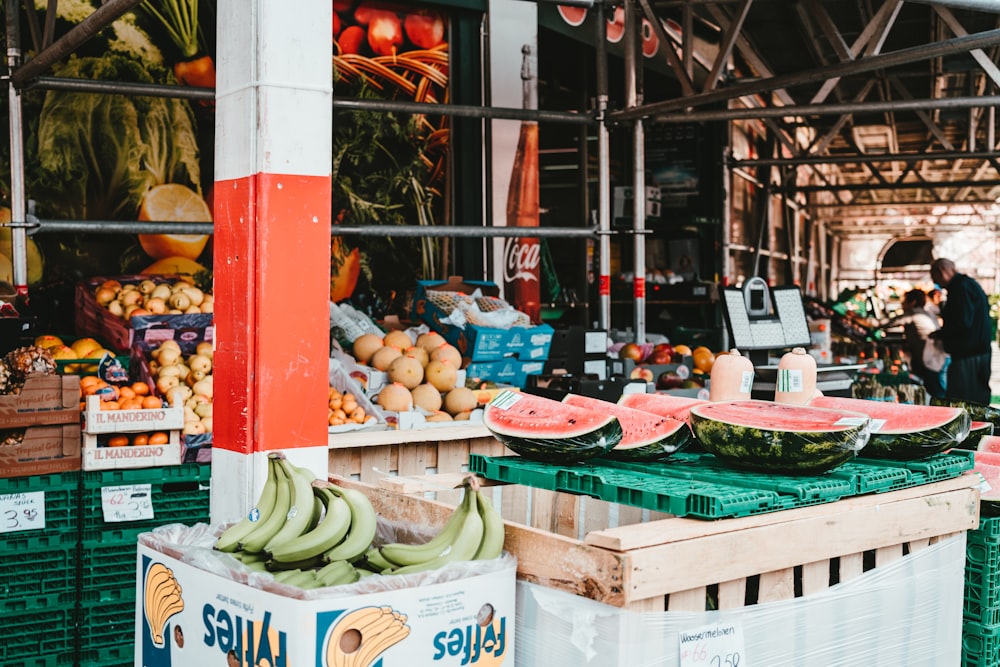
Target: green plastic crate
980 645
982 586
701 486
28 637
61 514
107 632
107 573
179 494
37 580
989 528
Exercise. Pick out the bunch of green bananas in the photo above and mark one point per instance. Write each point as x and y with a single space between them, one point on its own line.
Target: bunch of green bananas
474 531
307 530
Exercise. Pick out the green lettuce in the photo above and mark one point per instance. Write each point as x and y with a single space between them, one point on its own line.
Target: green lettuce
96 154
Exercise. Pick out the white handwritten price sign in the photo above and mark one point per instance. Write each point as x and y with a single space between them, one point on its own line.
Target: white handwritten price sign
22 511
716 645
131 502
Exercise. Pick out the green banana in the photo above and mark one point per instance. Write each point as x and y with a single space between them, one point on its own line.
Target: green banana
300 510
375 561
268 528
284 575
256 566
363 523
303 564
328 534
230 539
411 554
336 573
300 578
493 529
464 546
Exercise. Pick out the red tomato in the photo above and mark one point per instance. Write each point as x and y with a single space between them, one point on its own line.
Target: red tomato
650 42
616 25
424 28
385 34
351 39
363 14
336 26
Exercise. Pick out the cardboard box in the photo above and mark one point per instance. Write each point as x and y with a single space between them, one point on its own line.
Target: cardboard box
98 456
97 421
94 320
506 371
476 342
463 621
44 399
43 451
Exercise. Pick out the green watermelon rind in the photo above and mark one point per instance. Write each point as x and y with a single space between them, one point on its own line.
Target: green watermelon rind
919 444
651 449
572 447
762 449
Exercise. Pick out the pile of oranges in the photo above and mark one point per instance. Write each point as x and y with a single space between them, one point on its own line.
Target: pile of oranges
135 396
344 409
138 439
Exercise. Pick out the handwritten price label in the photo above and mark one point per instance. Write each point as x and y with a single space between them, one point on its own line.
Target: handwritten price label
133 502
22 511
716 645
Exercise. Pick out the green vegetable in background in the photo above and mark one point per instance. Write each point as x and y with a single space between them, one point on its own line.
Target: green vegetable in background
96 154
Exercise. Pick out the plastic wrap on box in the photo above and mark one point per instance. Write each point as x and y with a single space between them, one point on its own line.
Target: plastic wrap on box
908 612
342 378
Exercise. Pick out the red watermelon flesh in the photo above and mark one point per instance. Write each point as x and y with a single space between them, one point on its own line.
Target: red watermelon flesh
902 431
645 436
770 416
987 464
990 443
542 429
898 417
665 405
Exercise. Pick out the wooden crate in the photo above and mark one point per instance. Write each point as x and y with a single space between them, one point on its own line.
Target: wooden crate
44 450
44 399
624 557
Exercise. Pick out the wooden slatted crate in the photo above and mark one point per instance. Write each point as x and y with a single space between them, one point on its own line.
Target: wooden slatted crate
636 559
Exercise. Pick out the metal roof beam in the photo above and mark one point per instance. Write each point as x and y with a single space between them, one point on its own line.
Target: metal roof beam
908 158
980 40
909 185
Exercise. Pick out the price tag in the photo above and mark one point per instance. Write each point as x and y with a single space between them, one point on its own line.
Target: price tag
132 502
715 645
22 511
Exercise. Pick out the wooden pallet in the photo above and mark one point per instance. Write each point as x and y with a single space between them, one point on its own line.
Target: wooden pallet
634 559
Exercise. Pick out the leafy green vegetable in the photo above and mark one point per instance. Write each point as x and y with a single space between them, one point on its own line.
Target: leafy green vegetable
96 154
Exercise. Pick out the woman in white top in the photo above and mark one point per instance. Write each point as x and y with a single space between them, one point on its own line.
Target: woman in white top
917 326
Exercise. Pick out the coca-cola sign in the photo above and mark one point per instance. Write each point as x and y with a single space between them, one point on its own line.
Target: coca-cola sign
521 259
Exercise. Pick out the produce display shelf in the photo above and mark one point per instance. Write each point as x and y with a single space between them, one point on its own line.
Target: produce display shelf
178 494
699 486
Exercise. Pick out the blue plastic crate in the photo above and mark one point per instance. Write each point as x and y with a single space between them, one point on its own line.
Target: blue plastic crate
179 494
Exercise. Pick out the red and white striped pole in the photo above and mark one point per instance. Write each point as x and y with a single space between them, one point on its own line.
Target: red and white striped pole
272 243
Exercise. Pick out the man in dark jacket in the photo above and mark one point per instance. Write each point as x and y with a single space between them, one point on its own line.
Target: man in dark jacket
966 333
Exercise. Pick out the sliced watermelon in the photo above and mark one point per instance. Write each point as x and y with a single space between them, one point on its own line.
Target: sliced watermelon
665 405
977 431
773 437
987 464
646 437
903 431
989 443
542 429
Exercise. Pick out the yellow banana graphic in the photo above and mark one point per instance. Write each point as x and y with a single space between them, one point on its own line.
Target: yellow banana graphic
162 600
360 636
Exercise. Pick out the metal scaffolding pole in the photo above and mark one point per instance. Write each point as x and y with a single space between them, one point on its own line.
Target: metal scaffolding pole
633 99
121 88
603 179
18 235
463 110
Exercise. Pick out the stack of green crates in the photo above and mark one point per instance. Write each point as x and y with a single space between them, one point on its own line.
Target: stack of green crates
39 572
179 494
981 623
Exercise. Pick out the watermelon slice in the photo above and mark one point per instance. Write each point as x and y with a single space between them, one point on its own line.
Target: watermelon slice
987 464
774 437
665 405
542 429
646 437
989 443
902 431
977 431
